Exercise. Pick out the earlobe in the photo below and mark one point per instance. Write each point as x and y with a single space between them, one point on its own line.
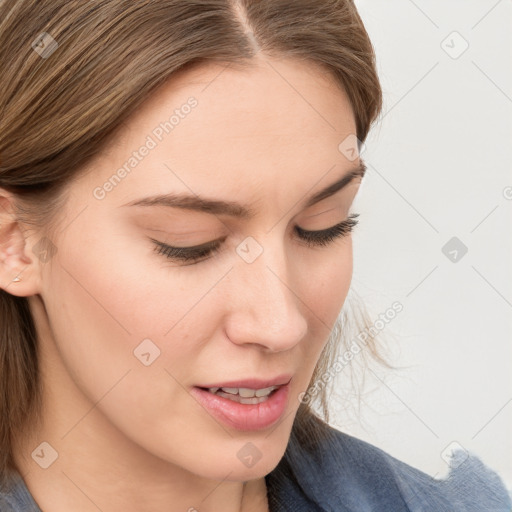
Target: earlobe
19 271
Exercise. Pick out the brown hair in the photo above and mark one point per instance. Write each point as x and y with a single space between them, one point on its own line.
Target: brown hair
60 109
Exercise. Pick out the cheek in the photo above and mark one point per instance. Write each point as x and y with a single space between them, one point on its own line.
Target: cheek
108 295
101 310
324 291
328 281
101 306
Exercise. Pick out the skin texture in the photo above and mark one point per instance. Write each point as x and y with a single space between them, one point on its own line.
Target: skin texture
130 437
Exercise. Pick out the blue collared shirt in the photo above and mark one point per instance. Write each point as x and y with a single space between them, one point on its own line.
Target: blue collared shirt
343 474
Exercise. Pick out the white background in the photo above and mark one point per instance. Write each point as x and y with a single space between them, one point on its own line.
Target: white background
438 164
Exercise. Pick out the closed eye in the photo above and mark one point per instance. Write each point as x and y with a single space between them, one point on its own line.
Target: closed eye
194 254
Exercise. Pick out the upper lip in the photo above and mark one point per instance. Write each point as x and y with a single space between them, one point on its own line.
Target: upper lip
280 380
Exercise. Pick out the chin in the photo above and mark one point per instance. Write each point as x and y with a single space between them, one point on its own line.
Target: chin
239 461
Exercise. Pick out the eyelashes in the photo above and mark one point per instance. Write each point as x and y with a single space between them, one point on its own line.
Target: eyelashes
326 236
322 238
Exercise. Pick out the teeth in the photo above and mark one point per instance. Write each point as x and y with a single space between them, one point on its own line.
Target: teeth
265 391
233 391
242 400
245 392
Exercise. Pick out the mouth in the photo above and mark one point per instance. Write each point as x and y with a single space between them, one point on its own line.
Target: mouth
243 395
246 405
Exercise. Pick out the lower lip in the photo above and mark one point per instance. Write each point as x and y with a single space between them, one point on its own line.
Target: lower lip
244 416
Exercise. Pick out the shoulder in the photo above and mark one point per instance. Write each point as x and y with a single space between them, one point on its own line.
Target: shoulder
339 472
15 497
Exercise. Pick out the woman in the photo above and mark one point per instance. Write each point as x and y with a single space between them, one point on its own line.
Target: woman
176 182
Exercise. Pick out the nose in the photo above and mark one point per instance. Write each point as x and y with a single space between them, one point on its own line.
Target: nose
265 308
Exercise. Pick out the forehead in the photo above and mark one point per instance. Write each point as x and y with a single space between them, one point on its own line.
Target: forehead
291 99
215 125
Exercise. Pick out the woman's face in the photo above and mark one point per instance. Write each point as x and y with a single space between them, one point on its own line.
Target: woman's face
132 332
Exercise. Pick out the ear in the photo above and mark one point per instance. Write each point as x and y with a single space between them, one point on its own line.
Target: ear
20 267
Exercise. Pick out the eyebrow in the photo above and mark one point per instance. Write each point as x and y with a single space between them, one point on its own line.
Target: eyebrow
218 207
